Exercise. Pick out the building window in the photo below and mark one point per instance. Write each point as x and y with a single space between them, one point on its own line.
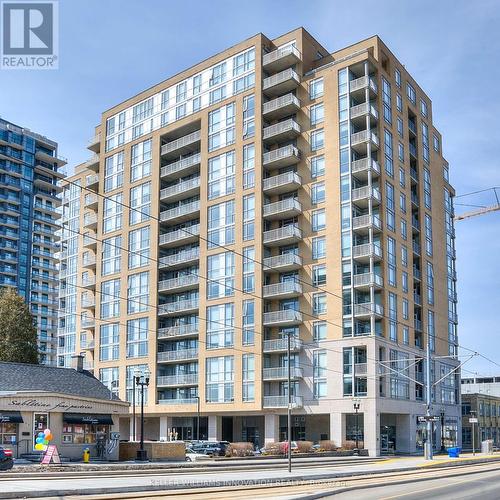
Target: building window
248 322
110 378
428 235
319 374
137 338
112 216
138 246
141 160
318 220
221 131
404 281
317 113
218 74
317 166
248 269
425 142
427 189
316 88
391 260
138 293
317 139
220 379
111 255
430 284
248 116
113 172
436 143
249 217
248 166
220 275
110 299
220 326
244 62
405 309
319 247
390 206
319 303
406 335
386 99
402 177
130 373
318 193
410 92
221 224
221 175
393 316
109 342
216 95
389 166
319 275
248 362
140 203
399 122
142 110
319 330
399 102
397 77
423 108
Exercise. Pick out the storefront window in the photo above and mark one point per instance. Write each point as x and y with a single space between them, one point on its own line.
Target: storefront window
8 432
83 433
40 423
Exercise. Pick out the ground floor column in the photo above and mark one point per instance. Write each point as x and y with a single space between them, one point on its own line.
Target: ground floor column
137 430
337 428
372 432
271 429
165 428
214 428
405 439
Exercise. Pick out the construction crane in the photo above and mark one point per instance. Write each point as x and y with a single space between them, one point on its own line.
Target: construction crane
480 210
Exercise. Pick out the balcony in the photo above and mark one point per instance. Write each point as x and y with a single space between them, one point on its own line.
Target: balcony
90 220
89 261
360 140
179 355
88 302
94 143
415 225
363 223
281 183
417 275
90 240
282 263
177 380
413 150
181 168
366 251
179 284
281 373
281 157
453 317
284 209
366 309
91 201
417 324
361 111
360 168
416 248
93 163
281 345
280 107
285 235
282 402
183 189
178 331
174 238
179 307
281 58
360 84
367 280
88 282
283 290
88 323
414 200
180 259
417 299
180 213
281 83
286 317
92 181
281 131
361 196
178 401
414 175
182 146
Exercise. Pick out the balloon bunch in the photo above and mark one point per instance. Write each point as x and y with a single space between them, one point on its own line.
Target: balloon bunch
43 439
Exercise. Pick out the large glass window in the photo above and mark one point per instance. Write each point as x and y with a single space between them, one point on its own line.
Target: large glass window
220 326
220 379
319 374
113 172
386 99
221 224
317 113
109 342
221 127
318 220
220 275
316 88
109 377
428 235
130 373
249 217
319 330
141 160
248 116
248 364
137 338
111 255
319 303
248 322
319 247
248 269
221 175
110 299
112 216
318 193
248 166
140 203
138 293
138 246
317 166
317 139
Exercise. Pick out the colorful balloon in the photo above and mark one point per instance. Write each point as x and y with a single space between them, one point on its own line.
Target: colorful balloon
46 432
39 446
49 437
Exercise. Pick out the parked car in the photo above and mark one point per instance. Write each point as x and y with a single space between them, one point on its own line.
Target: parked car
6 460
211 448
192 456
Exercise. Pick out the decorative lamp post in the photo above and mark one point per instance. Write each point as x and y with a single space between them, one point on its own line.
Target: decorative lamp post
142 380
442 430
357 405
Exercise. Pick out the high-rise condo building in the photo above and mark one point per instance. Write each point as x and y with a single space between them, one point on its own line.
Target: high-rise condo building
30 169
272 191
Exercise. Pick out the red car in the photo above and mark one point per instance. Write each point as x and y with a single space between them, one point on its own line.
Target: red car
6 460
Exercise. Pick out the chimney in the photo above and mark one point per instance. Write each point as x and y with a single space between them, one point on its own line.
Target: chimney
78 362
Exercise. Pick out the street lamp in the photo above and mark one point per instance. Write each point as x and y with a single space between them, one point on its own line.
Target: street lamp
442 430
198 418
142 381
357 404
137 373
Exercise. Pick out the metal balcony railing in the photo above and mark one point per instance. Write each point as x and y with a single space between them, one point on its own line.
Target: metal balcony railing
290 179
178 331
179 306
280 345
282 401
287 316
180 257
182 142
288 288
182 379
363 82
179 355
178 167
278 262
281 372
179 282
180 188
186 209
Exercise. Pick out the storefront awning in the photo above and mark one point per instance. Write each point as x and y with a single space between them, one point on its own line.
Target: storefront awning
11 416
87 418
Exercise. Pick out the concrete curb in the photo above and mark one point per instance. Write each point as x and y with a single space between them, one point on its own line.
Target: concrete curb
240 483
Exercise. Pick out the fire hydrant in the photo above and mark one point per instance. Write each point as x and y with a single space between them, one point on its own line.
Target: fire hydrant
86 455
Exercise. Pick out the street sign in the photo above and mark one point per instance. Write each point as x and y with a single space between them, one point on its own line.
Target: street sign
473 420
428 418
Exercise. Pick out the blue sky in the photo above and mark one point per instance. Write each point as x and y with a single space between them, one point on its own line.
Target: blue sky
110 50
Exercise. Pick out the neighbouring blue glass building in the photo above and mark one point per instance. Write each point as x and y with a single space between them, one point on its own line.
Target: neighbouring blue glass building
30 169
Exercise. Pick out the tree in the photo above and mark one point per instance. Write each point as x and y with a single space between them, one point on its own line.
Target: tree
18 337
